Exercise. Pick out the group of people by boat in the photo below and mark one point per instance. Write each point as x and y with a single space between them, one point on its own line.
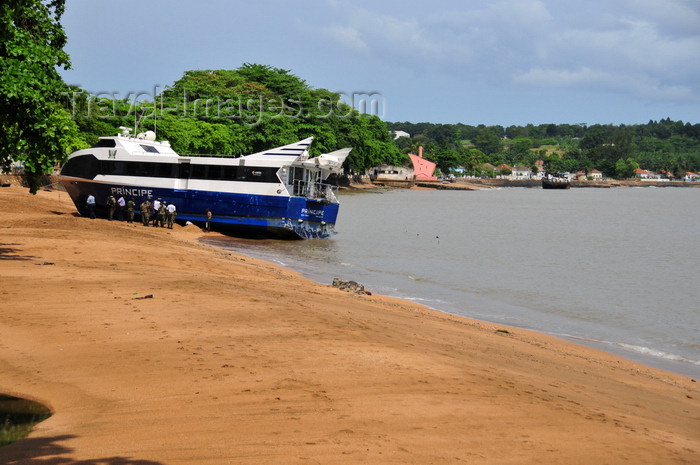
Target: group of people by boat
162 212
158 213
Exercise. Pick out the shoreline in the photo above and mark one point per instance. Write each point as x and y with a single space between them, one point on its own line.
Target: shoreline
651 357
486 183
237 360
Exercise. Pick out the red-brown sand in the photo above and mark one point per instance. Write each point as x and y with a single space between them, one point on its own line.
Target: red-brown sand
237 361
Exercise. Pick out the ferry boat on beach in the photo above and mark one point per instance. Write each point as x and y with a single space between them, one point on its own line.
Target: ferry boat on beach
281 192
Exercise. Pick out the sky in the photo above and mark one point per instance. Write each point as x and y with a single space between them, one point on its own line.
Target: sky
507 62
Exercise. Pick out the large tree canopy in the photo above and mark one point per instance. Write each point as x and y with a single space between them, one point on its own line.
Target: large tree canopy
256 107
32 128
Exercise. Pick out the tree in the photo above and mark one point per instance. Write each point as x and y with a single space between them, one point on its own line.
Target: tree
488 142
625 168
31 49
370 141
554 164
519 148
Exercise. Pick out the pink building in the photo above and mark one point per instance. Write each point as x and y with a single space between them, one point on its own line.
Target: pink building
422 169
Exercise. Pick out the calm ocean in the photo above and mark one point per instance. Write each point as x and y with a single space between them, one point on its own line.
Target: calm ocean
616 269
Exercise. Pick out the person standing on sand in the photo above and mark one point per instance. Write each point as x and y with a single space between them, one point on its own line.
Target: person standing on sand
161 215
171 214
145 212
154 211
91 206
111 205
207 224
130 210
121 203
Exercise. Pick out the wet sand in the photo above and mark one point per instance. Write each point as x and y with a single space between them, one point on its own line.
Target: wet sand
152 348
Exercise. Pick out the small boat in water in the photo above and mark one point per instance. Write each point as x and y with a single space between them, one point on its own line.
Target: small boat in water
550 181
281 192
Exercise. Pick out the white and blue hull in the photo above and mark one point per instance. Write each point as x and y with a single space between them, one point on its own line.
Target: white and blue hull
275 193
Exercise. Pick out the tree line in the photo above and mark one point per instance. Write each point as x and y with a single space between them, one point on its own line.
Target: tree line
664 146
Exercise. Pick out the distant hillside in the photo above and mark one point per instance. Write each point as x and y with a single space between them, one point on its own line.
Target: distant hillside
661 146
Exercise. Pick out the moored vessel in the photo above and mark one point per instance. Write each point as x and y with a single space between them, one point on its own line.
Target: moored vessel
555 182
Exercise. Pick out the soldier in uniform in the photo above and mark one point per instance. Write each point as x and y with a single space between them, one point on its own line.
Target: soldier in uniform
111 205
161 215
130 210
145 212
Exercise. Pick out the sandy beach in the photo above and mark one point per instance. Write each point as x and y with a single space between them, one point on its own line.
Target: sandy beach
152 348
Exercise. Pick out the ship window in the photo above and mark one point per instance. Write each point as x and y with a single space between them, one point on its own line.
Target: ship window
240 173
140 168
234 173
257 174
137 168
296 174
105 143
214 172
107 167
230 173
184 171
163 170
149 148
84 166
198 172
117 168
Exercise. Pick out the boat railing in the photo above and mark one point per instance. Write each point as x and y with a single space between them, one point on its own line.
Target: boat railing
207 155
316 190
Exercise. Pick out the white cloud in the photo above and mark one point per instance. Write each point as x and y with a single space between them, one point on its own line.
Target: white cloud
645 53
585 78
348 37
558 77
633 46
384 36
676 17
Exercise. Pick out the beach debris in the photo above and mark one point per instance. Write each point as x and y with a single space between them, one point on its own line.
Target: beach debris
350 286
45 263
149 296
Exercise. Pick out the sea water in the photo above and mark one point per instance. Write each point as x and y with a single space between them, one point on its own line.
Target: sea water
617 268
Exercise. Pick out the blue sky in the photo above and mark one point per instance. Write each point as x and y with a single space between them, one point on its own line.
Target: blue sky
476 62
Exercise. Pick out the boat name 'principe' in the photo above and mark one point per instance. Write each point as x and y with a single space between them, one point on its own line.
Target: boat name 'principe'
310 212
132 191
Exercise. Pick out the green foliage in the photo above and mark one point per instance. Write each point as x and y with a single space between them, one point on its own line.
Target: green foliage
247 110
18 417
488 142
625 168
665 146
33 127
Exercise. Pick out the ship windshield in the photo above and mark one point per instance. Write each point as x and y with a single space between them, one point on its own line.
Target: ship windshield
105 143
